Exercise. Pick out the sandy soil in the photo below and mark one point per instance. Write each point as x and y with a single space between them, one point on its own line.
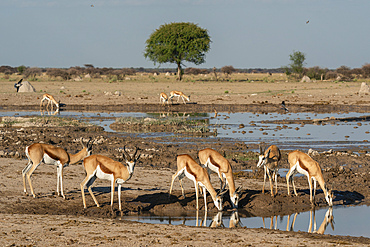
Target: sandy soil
50 220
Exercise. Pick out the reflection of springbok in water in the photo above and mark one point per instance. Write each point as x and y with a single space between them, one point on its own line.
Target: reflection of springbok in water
328 218
217 221
271 222
50 113
234 220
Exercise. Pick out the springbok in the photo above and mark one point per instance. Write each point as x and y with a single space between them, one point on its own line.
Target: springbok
51 155
102 167
302 163
179 94
50 99
269 159
186 166
218 164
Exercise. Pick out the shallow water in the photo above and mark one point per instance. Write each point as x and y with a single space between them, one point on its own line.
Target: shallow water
352 221
250 128
341 135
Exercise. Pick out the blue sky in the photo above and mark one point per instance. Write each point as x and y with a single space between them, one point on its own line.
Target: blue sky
244 33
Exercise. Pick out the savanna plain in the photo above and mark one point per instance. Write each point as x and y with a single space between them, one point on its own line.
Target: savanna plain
50 220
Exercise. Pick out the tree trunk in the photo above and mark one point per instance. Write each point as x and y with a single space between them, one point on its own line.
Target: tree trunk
179 72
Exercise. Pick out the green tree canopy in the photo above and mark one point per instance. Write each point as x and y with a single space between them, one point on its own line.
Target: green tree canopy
178 42
297 62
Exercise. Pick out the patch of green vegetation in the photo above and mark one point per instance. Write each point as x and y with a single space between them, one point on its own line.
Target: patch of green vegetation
8 123
42 120
183 124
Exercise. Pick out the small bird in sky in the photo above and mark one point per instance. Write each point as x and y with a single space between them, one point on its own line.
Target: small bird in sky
307 21
284 107
92 5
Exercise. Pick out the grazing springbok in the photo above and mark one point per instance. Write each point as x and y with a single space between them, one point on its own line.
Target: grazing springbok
302 163
50 99
269 159
179 94
51 155
163 98
218 164
102 167
186 166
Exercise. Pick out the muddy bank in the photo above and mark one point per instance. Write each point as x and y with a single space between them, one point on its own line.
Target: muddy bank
347 174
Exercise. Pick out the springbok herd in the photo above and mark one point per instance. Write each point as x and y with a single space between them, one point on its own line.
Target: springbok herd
102 167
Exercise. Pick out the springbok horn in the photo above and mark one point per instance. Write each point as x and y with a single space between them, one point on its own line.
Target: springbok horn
238 190
82 142
127 156
89 143
134 156
222 192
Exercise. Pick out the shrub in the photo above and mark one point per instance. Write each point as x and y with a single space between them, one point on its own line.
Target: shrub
31 73
366 70
21 69
345 72
228 70
53 72
195 71
7 70
331 75
315 72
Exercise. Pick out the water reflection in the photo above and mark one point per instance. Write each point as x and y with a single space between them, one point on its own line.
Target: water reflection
328 218
349 220
50 112
271 222
217 221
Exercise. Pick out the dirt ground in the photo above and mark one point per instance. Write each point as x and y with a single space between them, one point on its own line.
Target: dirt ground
50 220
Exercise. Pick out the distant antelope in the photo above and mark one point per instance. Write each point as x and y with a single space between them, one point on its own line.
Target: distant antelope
302 163
50 99
163 98
269 159
179 94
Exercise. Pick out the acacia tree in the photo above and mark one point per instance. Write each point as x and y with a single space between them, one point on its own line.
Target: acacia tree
178 42
297 62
